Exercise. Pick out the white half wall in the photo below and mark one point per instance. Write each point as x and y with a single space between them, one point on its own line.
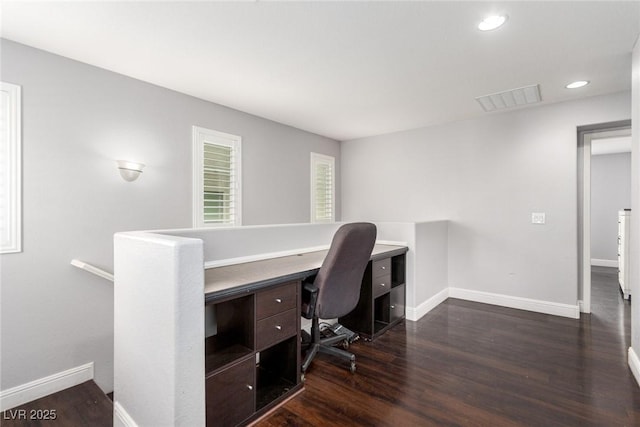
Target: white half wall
159 370
427 274
432 260
159 313
224 246
486 176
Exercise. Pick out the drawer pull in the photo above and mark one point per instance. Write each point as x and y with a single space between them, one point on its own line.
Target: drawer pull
393 307
382 284
250 387
278 327
383 267
278 300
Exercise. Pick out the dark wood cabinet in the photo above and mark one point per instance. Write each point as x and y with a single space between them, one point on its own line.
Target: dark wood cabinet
252 357
231 394
382 298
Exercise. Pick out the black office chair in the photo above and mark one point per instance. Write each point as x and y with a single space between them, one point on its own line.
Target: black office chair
336 289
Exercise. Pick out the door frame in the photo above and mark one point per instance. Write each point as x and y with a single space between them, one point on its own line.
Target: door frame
585 135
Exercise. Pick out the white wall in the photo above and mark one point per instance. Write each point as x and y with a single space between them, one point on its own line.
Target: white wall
634 270
77 119
610 193
486 176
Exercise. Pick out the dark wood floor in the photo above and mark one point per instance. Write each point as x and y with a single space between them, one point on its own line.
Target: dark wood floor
472 364
84 405
464 364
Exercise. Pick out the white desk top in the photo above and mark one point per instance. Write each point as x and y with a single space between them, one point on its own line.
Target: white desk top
222 281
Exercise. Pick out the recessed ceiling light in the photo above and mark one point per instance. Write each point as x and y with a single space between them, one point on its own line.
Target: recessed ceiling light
492 22
576 85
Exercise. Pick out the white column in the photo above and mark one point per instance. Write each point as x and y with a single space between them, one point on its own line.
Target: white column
158 330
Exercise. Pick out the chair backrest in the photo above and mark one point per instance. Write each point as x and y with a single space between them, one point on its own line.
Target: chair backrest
340 277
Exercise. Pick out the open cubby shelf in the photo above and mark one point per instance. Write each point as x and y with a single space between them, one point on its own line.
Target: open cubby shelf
378 326
215 360
275 377
398 270
272 390
233 333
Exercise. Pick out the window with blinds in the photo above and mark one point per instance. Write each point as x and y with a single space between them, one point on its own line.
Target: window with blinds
322 188
216 178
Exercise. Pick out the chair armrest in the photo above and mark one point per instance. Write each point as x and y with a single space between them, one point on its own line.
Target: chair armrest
309 299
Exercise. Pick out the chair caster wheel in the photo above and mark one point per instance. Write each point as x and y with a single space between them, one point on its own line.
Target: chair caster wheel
302 377
353 367
345 344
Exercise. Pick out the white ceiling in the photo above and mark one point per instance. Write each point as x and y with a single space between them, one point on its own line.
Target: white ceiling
343 69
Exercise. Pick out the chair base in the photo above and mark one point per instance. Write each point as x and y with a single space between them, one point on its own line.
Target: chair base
325 345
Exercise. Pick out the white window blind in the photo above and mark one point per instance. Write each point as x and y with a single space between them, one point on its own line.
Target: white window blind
322 188
217 198
10 169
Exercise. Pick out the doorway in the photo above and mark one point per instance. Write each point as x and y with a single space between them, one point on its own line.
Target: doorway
602 137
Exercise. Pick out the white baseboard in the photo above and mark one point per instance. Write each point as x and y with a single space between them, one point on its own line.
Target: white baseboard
604 262
121 417
634 364
416 313
42 387
546 307
581 306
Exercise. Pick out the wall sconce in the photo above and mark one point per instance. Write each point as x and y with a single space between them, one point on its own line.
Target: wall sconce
130 171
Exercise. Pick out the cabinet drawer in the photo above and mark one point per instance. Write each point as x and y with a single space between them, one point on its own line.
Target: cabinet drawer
381 267
381 285
230 394
276 328
276 300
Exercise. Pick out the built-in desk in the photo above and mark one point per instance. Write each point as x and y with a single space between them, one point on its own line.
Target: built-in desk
252 355
250 276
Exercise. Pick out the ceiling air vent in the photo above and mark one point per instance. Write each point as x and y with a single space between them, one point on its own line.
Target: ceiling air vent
510 98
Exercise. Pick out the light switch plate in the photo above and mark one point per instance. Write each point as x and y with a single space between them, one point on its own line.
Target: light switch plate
537 218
